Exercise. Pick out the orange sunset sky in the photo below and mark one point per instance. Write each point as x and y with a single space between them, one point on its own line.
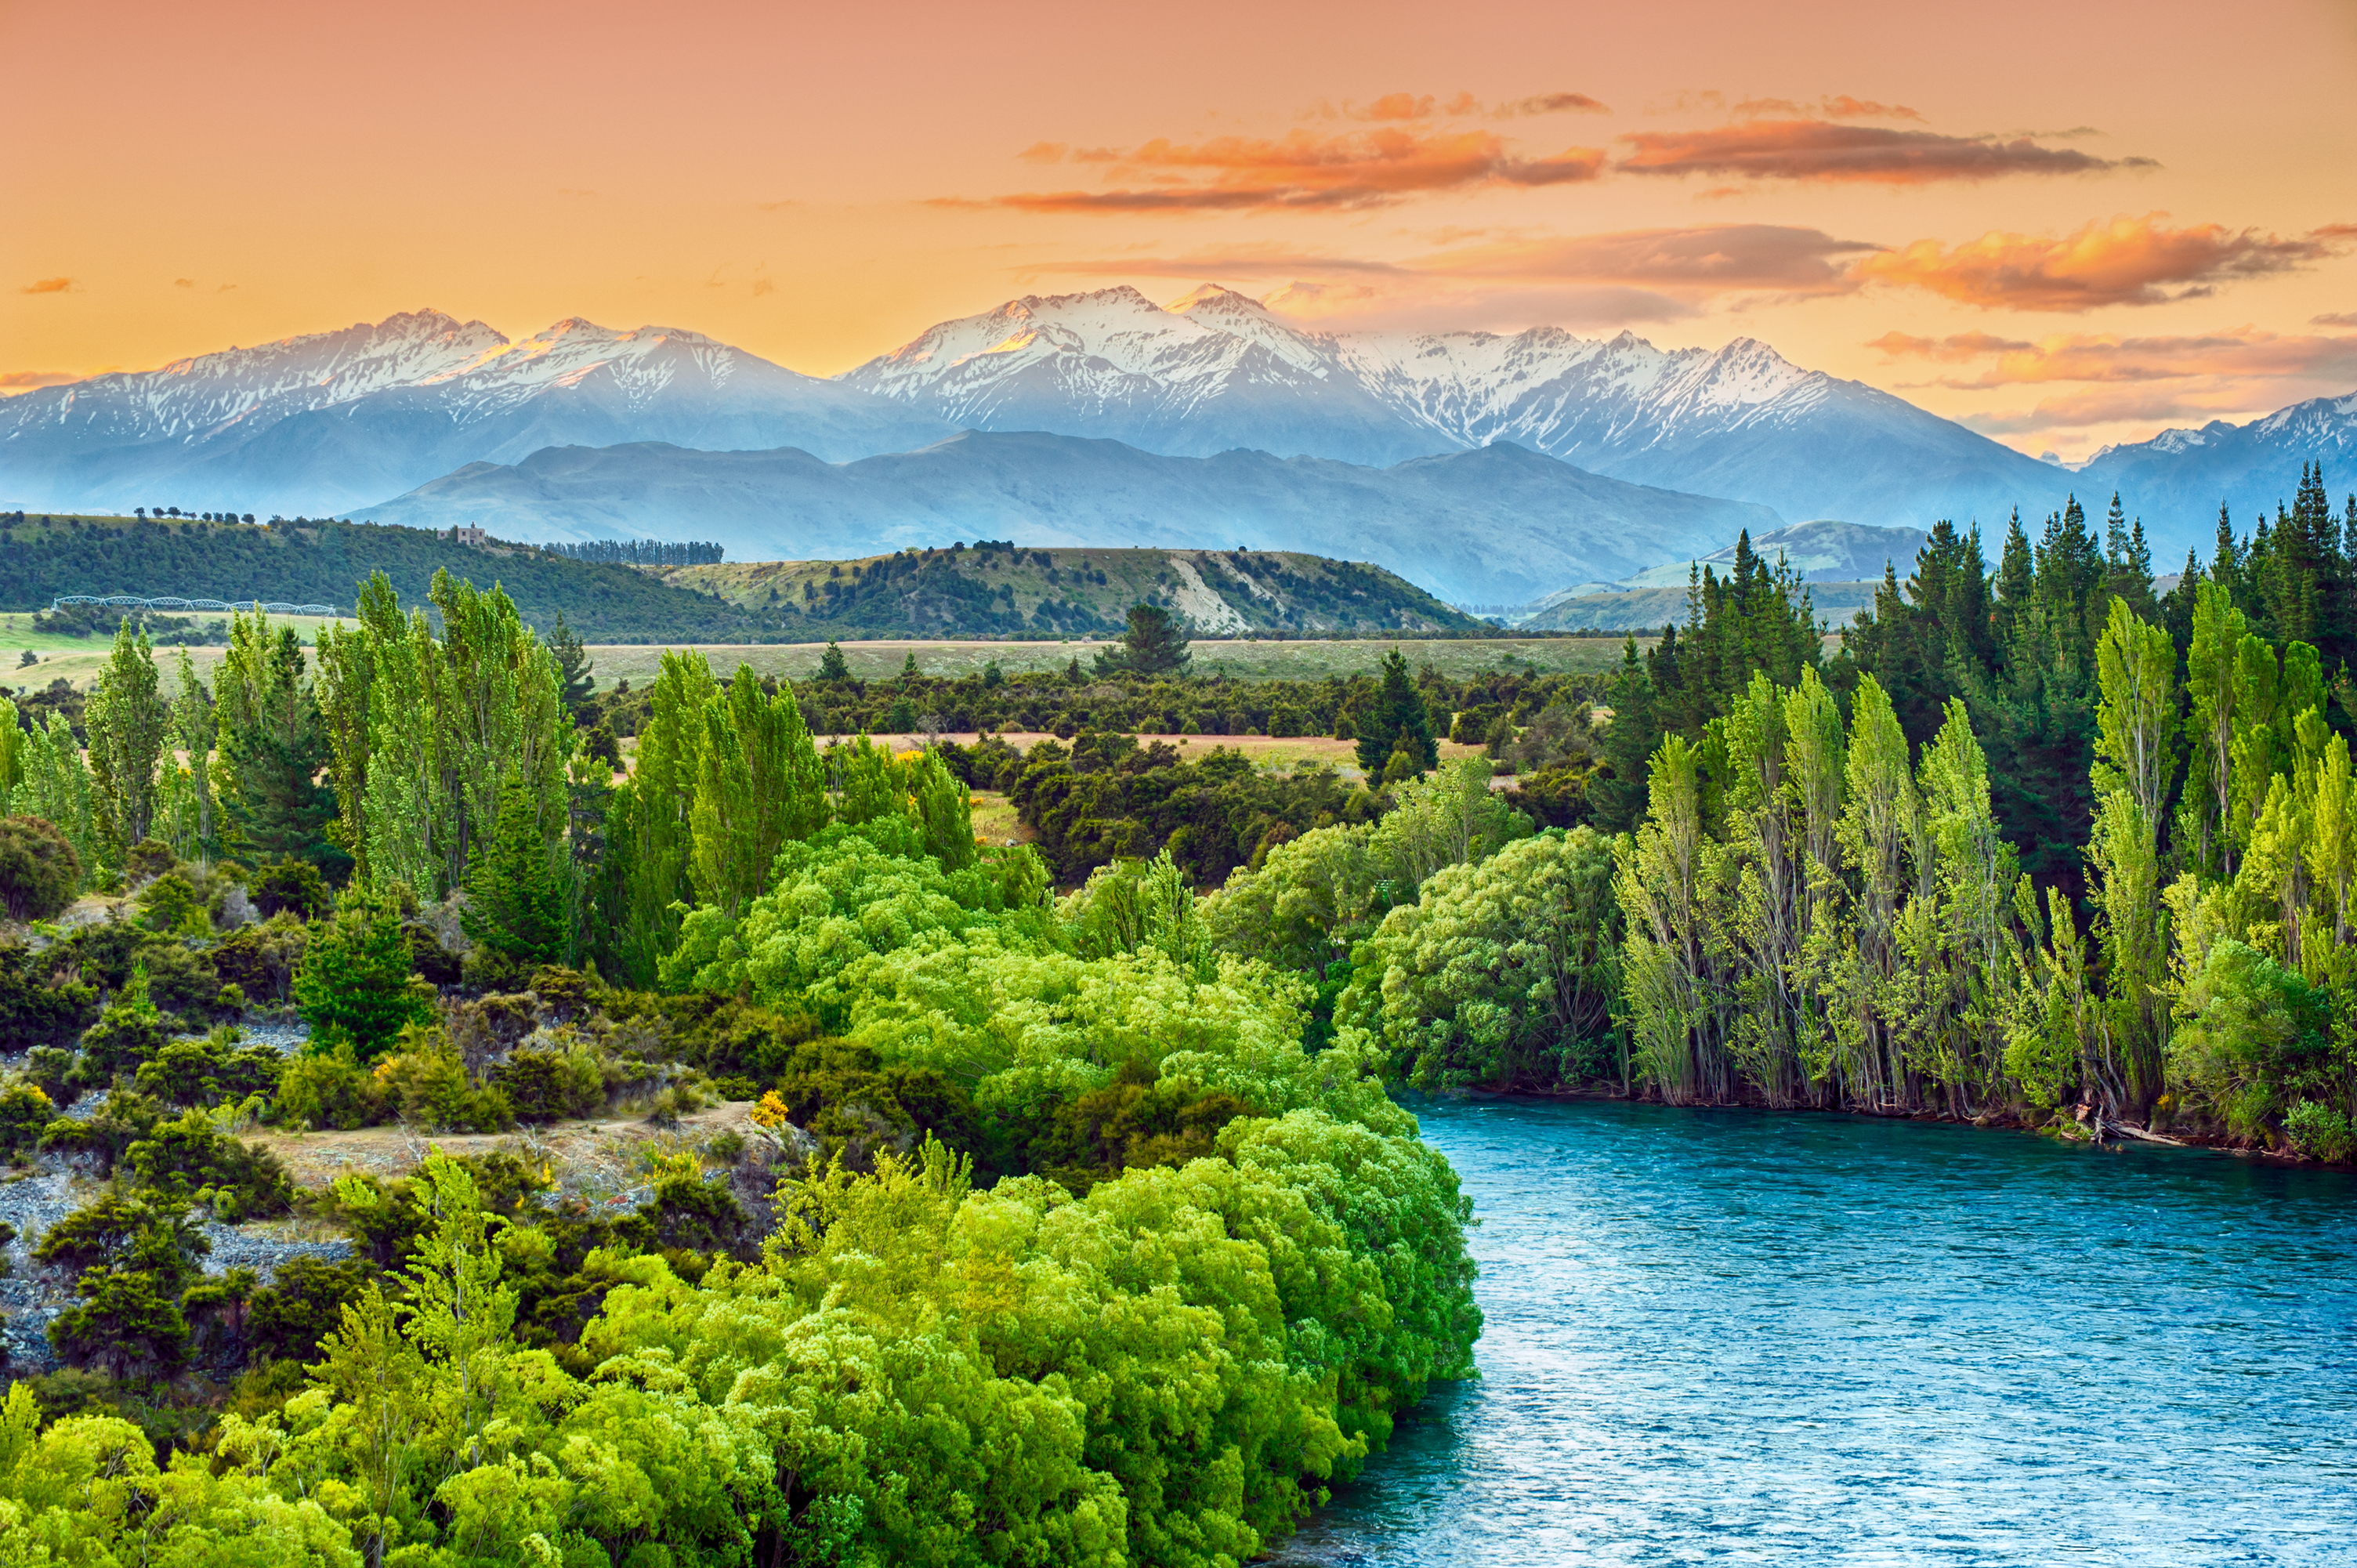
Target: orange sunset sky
2066 224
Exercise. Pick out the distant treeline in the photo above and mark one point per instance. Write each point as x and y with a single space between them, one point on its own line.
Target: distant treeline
317 563
642 552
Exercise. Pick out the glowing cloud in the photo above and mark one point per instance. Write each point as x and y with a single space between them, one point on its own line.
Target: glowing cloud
1303 169
2128 261
1821 150
49 286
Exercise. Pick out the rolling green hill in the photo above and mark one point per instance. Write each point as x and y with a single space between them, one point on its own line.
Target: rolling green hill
996 589
325 562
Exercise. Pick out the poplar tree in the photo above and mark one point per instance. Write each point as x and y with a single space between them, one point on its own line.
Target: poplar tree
128 722
196 727
2138 728
759 783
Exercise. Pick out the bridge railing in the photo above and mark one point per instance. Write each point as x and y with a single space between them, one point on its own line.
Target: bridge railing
174 602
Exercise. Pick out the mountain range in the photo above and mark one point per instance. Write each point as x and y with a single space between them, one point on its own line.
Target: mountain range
330 422
1217 370
1231 421
1500 524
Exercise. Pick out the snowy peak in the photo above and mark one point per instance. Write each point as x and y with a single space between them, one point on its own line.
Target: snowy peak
203 395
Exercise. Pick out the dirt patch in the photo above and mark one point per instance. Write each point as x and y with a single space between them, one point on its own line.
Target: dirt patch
599 1158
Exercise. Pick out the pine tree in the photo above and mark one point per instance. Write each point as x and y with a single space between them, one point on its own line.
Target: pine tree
276 749
1629 741
833 667
1153 645
576 678
515 903
1398 721
355 986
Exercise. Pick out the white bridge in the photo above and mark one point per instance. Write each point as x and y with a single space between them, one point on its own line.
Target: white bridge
133 602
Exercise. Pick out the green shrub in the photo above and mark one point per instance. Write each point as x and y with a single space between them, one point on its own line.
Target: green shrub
301 1304
293 886
262 960
331 1088
201 1072
130 1031
169 905
122 1121
427 1085
36 1007
25 1113
544 1085
39 872
2319 1131
191 1159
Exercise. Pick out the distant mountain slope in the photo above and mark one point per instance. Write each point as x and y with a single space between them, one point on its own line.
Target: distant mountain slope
325 563
2175 481
1824 551
322 423
1496 525
1218 369
999 588
1649 609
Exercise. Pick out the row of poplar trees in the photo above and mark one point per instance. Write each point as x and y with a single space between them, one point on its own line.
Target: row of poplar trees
1821 910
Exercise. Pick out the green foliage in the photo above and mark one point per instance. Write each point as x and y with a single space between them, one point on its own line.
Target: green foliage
39 871
128 720
290 886
303 1305
25 1113
38 1005
331 1088
192 1159
355 986
129 1031
2253 1038
1502 973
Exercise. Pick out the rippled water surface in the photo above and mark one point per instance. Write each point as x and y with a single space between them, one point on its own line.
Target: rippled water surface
1818 1340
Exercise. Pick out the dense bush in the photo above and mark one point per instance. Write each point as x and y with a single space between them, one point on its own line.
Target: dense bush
39 872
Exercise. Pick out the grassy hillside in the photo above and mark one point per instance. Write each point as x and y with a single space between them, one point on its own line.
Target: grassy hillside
325 562
996 589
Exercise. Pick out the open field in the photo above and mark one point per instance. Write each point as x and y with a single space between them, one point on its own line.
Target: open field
77 659
1244 660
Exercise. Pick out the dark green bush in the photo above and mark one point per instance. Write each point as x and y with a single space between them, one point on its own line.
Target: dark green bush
39 872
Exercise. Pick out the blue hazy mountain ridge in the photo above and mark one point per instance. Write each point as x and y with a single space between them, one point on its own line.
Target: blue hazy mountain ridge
324 423
1496 525
2177 481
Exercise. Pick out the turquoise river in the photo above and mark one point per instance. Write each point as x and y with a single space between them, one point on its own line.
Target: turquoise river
1737 1337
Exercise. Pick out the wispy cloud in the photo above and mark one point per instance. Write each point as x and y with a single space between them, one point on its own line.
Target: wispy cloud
184 282
1824 151
1552 103
2090 357
1305 170
2128 261
26 380
50 285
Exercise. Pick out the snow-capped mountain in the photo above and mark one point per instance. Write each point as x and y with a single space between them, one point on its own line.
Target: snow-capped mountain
2178 479
1218 369
1186 381
325 422
1496 525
